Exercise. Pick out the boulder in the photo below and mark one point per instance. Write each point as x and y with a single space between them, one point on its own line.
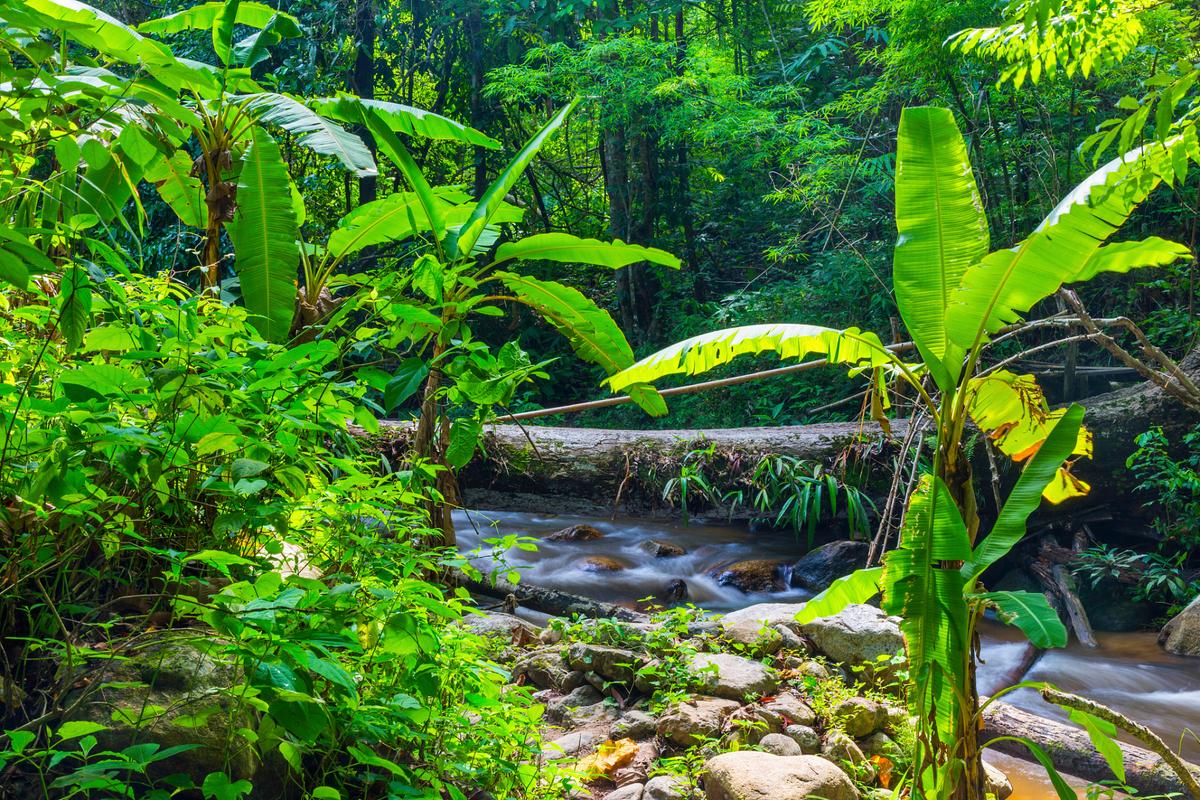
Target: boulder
600 564
841 749
638 769
661 549
613 663
492 623
748 775
635 725
805 736
791 710
140 699
996 782
666 787
1181 635
858 634
759 639
559 710
753 575
685 723
807 668
573 744
732 677
575 533
631 791
780 745
821 566
1110 607
860 717
545 669
770 613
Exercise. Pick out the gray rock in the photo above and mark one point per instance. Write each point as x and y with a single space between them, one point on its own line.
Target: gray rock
559 709
791 709
573 680
632 791
661 549
545 669
613 663
805 736
821 566
141 698
597 715
493 623
687 722
552 635
841 749
575 533
1181 635
858 634
860 717
635 724
996 782
770 613
573 744
780 745
879 744
759 639
749 775
666 787
790 640
752 575
733 677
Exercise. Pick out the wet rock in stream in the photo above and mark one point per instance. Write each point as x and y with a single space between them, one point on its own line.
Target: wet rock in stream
661 549
752 575
823 565
575 533
600 564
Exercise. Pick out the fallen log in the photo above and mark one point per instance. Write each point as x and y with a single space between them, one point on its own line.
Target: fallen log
549 601
1071 750
522 466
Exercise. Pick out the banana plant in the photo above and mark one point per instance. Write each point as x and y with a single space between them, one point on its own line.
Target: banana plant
458 271
954 294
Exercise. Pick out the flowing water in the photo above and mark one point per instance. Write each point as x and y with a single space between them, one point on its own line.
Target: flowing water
1128 672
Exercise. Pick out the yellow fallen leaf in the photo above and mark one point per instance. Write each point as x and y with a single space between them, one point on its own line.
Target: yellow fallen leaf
609 757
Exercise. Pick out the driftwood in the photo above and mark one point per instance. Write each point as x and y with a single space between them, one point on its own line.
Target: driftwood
549 601
1071 751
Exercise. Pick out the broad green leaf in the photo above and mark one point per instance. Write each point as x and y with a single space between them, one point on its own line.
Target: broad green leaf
254 48
591 331
390 219
1026 495
929 599
857 587
222 31
315 132
394 149
942 230
1066 247
566 248
205 15
76 728
181 190
709 350
464 435
404 383
92 27
264 239
75 306
1032 613
1103 735
398 118
461 243
1061 787
219 786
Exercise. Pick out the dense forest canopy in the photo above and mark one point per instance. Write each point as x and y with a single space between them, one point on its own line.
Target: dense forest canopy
903 292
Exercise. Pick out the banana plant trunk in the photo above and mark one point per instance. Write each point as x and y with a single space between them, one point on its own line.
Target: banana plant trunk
429 445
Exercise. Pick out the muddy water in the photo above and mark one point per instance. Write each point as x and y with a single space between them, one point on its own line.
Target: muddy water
1129 672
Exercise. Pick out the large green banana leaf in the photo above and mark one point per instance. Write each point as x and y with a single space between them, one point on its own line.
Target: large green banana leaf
564 247
461 243
205 15
315 132
1066 247
857 587
708 350
1032 613
181 190
264 238
942 231
930 601
400 118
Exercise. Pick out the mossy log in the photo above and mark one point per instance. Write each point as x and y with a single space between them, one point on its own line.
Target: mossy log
1072 752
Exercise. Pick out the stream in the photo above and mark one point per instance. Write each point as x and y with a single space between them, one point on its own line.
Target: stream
1128 672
